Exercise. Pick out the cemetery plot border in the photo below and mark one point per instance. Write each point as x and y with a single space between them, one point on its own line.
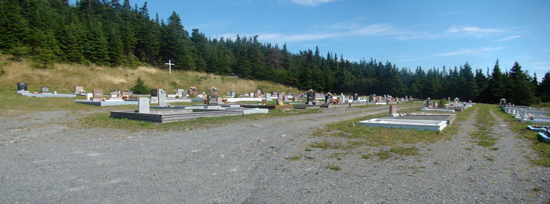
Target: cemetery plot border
165 116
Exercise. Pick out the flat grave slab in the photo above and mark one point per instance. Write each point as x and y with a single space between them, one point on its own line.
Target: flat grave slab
301 106
173 115
109 103
48 95
538 128
543 137
270 107
449 118
437 109
231 100
433 125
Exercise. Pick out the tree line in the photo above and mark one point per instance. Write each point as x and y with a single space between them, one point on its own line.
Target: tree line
110 33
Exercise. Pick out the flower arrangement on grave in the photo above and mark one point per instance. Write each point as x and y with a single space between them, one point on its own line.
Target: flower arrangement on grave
213 88
193 87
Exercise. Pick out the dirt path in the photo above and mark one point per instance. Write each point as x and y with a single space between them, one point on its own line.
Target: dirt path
247 162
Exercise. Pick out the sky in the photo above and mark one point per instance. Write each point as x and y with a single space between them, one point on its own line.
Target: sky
404 32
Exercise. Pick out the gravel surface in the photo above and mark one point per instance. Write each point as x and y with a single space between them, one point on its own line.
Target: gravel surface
44 160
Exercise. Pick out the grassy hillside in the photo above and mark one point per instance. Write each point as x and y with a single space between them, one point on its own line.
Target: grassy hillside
63 78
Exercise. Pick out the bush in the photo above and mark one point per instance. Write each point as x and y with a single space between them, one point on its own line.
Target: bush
192 95
442 102
140 87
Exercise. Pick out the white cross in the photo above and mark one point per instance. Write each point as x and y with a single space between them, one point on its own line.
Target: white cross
170 65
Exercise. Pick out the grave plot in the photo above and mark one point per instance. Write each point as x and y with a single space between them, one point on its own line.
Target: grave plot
544 136
164 114
528 114
44 92
116 99
417 121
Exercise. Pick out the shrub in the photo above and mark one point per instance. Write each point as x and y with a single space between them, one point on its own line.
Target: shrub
140 87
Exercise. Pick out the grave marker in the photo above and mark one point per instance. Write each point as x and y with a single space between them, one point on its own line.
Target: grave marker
22 86
170 66
154 92
310 97
98 94
162 98
143 105
78 89
44 89
212 100
267 97
393 111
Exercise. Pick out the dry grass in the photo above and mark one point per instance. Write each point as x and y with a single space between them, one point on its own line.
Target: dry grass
63 78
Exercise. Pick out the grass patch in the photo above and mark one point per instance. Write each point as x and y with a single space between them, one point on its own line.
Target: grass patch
542 149
377 136
294 158
484 123
536 189
410 151
495 148
366 156
333 167
63 78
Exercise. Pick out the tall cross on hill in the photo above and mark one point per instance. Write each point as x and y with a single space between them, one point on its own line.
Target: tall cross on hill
170 65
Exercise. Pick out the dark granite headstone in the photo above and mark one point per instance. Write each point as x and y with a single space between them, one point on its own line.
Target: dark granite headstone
154 93
355 97
310 97
22 86
328 97
212 100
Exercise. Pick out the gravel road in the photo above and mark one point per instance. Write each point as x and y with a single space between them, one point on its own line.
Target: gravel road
45 161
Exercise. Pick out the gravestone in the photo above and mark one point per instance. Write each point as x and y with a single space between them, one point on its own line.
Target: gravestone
21 86
45 89
98 94
267 97
162 98
355 97
233 93
342 98
393 111
214 92
78 89
154 92
126 94
212 100
143 105
193 90
179 92
328 97
280 99
294 97
310 97
406 98
115 95
274 93
258 92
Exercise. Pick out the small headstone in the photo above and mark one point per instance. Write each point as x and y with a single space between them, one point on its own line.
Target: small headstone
193 90
328 97
143 105
214 91
22 86
393 111
294 97
115 95
45 89
98 94
310 97
233 93
258 92
126 94
267 97
78 89
355 97
154 92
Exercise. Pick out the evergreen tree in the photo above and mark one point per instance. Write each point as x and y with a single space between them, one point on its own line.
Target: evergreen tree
544 88
521 92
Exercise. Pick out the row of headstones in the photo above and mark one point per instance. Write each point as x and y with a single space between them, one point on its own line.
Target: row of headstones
116 95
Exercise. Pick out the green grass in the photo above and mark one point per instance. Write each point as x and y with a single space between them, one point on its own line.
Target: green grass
542 149
294 158
484 123
333 167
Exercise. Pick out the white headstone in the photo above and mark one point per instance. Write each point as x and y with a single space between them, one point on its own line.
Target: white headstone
162 99
143 105
267 97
